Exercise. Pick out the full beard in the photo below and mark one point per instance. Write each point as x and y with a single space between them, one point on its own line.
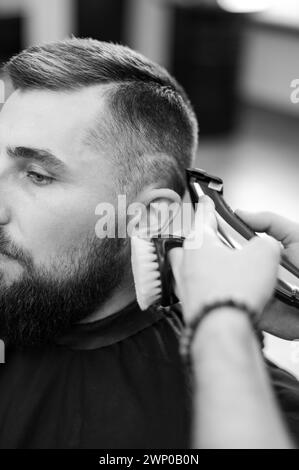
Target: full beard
39 307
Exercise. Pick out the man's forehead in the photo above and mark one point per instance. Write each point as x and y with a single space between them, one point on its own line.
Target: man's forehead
32 117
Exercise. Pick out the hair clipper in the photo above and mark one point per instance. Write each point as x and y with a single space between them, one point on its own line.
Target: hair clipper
231 230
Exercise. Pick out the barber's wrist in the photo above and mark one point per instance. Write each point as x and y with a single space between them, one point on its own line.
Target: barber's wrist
222 324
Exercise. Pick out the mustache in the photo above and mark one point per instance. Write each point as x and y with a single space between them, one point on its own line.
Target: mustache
11 250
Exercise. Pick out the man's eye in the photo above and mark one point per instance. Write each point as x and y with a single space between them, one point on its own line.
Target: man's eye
40 180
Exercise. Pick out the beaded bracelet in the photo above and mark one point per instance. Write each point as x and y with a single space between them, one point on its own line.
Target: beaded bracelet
190 330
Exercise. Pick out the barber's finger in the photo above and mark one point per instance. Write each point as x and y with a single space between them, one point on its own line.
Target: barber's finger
210 220
205 224
194 239
265 249
205 215
281 228
176 259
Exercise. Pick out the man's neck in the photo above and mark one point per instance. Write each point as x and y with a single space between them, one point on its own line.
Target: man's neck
120 298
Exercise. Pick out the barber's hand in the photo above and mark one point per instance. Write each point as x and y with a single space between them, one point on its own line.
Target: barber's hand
206 270
284 230
279 319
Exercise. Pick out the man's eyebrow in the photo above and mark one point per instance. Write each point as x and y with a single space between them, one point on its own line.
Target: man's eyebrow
39 155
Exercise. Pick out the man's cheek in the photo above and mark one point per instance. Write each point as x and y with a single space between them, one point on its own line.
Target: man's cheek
56 239
48 229
10 271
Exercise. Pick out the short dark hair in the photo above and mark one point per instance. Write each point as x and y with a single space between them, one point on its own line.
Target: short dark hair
153 130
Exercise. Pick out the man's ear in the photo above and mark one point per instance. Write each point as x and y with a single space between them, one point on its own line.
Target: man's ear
161 207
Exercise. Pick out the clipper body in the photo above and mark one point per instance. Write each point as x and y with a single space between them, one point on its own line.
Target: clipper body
235 233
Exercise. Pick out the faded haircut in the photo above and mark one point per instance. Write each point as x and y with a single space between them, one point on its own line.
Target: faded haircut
150 129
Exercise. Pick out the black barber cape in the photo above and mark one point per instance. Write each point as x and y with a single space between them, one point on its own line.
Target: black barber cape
115 383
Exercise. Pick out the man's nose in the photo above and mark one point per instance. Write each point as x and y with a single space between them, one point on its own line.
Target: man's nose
4 213
4 204
4 216
5 191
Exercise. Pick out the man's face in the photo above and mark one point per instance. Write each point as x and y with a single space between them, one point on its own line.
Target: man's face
50 183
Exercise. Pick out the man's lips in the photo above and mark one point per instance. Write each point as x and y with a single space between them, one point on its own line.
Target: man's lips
5 256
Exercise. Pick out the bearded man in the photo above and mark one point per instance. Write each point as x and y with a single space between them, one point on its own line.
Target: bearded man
85 367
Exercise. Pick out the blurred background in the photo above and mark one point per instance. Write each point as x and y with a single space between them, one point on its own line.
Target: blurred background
237 59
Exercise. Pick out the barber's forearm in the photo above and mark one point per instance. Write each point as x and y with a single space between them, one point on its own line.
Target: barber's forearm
234 403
